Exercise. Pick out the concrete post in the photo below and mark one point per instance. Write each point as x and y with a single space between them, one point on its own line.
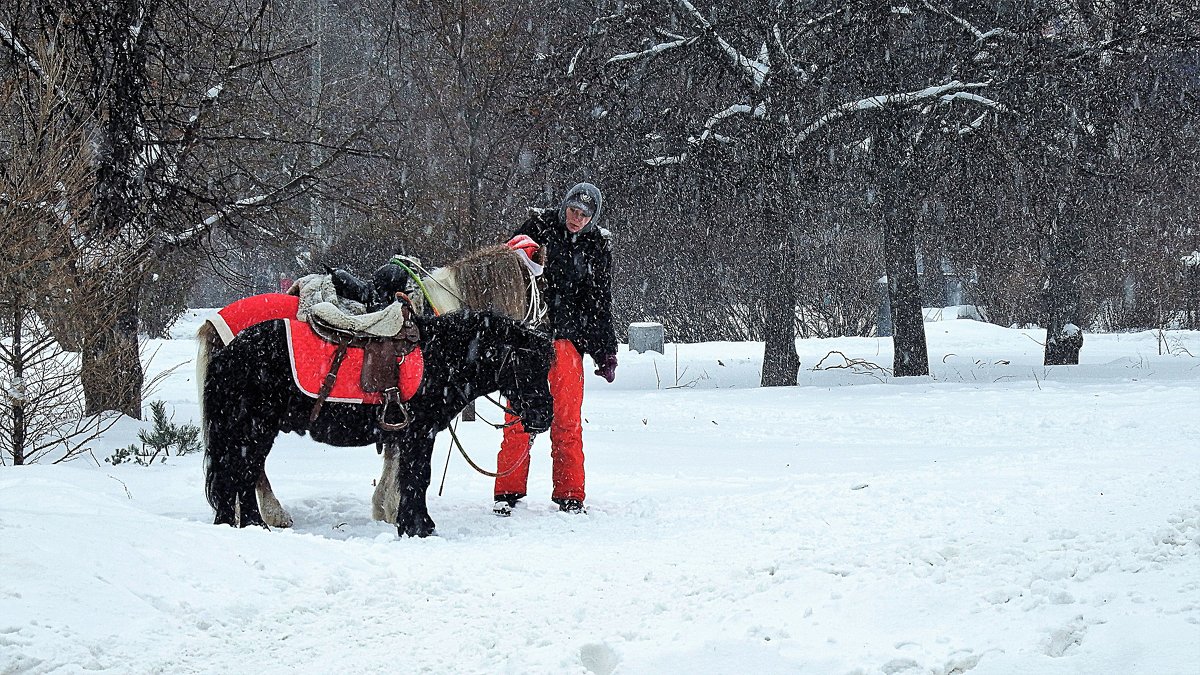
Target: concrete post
646 336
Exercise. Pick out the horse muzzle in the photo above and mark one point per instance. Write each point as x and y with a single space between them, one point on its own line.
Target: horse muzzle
537 419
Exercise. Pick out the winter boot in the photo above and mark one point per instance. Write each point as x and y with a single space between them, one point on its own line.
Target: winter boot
571 505
505 502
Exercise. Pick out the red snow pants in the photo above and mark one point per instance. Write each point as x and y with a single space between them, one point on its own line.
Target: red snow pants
566 432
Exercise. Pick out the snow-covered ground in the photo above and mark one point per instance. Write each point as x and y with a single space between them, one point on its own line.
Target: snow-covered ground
997 517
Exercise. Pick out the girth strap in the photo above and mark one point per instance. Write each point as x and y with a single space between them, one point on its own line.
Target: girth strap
330 379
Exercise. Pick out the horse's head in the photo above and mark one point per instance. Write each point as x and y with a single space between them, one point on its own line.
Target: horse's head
524 377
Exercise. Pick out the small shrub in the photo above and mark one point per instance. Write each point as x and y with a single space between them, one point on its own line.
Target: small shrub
158 442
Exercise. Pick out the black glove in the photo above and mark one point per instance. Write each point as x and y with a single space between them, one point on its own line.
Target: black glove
606 366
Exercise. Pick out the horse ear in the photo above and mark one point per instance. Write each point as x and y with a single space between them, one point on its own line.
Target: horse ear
389 280
350 287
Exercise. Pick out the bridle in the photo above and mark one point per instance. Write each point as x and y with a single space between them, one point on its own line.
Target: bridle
516 419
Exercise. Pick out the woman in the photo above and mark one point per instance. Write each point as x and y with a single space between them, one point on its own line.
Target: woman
579 299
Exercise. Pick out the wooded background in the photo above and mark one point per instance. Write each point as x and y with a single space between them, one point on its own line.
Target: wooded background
764 163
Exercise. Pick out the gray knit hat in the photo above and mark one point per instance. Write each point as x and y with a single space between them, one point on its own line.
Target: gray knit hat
585 197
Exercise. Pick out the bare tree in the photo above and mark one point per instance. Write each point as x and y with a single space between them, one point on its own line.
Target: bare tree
1092 75
473 82
784 83
181 152
45 172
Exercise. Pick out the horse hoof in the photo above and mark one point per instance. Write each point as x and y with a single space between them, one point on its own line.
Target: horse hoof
277 517
416 531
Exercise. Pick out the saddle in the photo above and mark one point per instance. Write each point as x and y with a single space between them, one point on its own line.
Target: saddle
382 356
386 343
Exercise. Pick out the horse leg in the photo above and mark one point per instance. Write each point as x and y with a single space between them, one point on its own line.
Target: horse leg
386 500
232 467
247 389
222 494
413 469
272 511
255 470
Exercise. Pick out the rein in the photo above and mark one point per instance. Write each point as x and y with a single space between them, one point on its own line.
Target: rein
462 451
503 407
498 474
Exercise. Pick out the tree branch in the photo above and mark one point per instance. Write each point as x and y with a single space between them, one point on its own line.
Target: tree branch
652 52
980 35
698 141
753 69
946 92
23 54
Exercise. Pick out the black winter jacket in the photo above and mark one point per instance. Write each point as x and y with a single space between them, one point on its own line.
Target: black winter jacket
578 282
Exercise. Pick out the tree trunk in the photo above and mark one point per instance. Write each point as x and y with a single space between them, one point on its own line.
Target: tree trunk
780 359
18 401
1064 336
910 353
107 307
111 368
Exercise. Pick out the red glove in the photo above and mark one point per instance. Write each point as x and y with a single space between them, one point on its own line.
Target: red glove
522 242
607 366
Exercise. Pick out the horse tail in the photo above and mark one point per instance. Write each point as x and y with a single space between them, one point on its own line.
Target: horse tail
208 342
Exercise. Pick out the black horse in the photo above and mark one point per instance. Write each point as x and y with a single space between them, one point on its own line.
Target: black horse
249 397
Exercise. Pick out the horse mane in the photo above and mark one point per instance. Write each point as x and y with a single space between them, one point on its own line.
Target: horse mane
493 278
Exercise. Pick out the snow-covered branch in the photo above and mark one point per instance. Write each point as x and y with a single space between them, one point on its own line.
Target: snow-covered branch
232 67
651 52
165 240
973 126
811 24
755 70
980 34
205 226
668 160
781 48
712 122
974 98
947 92
709 132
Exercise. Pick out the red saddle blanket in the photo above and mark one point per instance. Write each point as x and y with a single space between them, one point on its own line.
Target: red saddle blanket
311 356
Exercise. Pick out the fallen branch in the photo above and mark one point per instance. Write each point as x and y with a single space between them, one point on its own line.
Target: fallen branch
858 366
